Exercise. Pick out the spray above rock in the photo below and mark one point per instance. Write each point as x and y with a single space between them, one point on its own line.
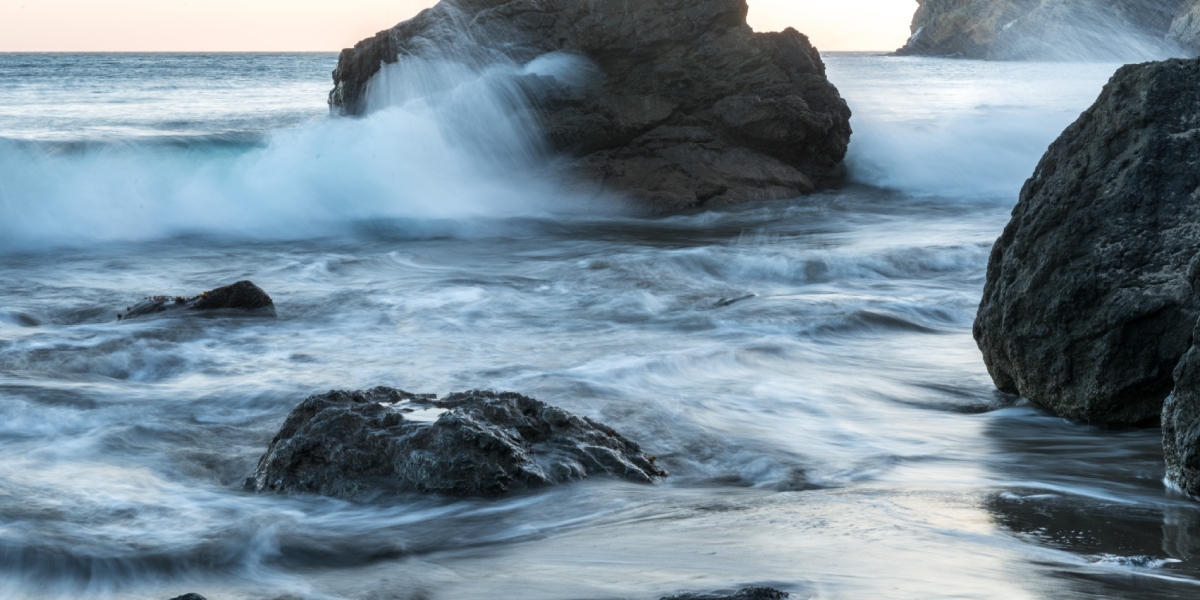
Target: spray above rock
680 103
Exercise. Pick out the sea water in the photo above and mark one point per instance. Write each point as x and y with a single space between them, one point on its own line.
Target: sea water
803 368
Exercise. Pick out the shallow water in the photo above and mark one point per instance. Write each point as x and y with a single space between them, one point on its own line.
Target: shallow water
803 368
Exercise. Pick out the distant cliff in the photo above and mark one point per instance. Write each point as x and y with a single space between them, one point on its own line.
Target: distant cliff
1127 30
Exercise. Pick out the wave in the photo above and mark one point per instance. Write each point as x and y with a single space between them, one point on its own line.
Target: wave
442 140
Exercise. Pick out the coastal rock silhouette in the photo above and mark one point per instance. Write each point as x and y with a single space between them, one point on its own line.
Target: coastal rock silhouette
1129 30
359 444
683 105
242 296
1094 287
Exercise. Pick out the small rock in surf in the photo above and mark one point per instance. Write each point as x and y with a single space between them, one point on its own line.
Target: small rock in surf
242 296
480 443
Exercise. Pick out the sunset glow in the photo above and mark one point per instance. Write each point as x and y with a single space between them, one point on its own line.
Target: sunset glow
321 25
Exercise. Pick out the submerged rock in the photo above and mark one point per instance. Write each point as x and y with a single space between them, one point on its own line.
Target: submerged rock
751 593
1091 291
241 296
1181 424
684 104
350 444
1052 29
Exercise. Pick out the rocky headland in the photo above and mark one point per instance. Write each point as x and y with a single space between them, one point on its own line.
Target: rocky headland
485 444
684 106
1128 30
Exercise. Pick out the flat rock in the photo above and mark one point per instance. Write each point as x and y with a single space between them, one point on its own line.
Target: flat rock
383 440
1091 290
684 104
242 296
750 593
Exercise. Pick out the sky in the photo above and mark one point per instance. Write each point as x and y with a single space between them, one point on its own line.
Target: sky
327 25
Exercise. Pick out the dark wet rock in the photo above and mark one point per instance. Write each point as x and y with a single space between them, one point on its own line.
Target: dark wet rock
1181 425
189 597
750 593
355 444
1091 291
685 106
1052 29
242 296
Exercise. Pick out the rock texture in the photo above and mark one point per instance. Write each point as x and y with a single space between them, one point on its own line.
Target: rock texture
751 593
353 444
189 597
1128 30
1091 290
687 105
1181 425
242 296
1185 29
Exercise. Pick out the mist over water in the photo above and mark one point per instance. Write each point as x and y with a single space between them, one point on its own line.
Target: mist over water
435 129
804 369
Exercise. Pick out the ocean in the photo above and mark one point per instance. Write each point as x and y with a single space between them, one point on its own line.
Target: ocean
804 368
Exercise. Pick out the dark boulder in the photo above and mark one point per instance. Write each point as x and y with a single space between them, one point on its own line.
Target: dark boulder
242 296
1091 291
750 593
189 597
1181 425
1127 30
686 105
355 444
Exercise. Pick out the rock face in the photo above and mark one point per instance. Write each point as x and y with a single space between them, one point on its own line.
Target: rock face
751 593
1091 291
1181 425
353 444
1128 30
242 296
687 105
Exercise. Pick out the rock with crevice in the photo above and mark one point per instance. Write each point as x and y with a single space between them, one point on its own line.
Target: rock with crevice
1181 425
684 105
369 443
1094 286
242 297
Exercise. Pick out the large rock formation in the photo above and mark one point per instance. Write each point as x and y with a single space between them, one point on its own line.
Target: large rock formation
687 105
1092 291
243 297
354 444
1127 30
1181 425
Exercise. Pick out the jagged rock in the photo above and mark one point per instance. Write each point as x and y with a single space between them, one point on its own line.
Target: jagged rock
1181 424
352 444
242 296
686 104
1092 289
1048 29
751 593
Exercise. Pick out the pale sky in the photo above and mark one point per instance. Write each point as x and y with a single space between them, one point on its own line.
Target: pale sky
253 25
